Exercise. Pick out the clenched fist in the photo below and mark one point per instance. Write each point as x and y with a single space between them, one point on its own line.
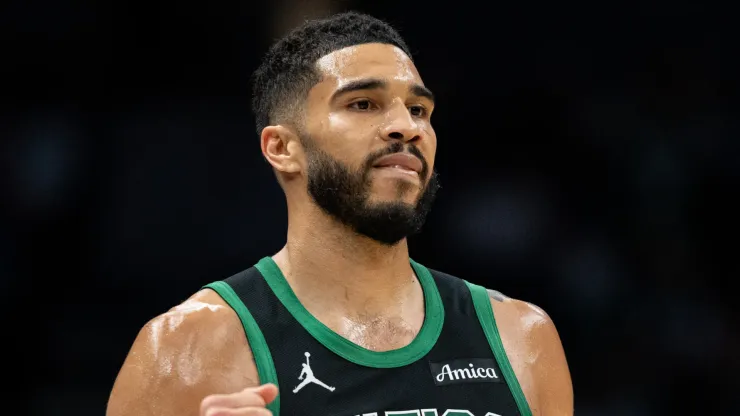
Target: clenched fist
248 402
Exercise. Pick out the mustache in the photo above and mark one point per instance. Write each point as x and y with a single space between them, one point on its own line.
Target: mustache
398 147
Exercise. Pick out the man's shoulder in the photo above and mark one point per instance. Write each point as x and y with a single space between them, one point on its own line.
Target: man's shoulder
528 316
195 349
205 312
523 322
204 325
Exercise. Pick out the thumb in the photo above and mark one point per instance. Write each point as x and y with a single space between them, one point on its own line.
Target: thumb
268 392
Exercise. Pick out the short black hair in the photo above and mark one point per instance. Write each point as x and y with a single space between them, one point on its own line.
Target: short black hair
288 70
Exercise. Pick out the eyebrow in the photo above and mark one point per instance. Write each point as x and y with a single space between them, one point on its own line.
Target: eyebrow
377 84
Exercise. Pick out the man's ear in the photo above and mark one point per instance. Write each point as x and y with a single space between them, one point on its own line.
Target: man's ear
281 148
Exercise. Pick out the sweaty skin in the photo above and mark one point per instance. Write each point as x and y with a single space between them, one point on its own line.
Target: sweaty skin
199 348
365 293
536 354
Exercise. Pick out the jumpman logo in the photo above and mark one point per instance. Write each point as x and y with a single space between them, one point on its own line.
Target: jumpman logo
308 377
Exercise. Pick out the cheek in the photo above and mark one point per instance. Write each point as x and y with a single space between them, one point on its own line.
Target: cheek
350 125
336 125
347 138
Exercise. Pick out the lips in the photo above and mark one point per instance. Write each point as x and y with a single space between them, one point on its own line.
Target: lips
401 160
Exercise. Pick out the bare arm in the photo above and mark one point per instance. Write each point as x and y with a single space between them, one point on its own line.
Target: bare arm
536 354
196 349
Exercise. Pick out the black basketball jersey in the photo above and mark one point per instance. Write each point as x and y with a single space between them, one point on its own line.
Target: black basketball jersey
456 365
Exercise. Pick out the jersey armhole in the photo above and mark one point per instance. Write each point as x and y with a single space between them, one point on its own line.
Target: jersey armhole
261 352
484 310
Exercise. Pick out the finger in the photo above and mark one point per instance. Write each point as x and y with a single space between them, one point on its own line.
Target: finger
242 411
268 392
245 398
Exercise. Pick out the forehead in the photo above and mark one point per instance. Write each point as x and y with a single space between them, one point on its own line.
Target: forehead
374 60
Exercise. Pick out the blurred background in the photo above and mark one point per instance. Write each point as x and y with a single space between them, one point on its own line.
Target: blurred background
588 155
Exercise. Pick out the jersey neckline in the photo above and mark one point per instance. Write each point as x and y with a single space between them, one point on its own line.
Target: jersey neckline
419 347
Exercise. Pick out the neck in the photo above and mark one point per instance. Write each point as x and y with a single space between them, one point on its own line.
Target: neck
328 264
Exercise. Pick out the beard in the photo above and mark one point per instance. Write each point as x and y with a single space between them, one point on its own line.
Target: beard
344 194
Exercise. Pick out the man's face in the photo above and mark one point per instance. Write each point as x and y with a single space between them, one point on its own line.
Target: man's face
369 142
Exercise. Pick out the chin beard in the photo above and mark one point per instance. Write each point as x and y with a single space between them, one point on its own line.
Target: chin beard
344 194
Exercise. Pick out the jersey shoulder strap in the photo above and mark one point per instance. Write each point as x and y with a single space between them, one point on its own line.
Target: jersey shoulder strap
484 310
257 343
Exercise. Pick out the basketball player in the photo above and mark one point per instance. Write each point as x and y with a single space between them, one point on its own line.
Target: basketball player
341 322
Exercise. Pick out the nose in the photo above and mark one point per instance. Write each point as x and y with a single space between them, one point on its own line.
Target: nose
401 125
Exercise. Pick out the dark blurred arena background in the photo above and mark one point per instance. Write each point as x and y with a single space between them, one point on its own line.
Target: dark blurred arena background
588 155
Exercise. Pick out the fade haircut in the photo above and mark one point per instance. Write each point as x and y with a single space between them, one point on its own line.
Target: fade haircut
288 71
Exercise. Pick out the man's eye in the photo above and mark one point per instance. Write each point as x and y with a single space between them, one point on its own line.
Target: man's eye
361 105
418 111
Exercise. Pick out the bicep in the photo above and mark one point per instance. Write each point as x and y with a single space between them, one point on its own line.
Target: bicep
147 384
178 359
536 355
554 384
